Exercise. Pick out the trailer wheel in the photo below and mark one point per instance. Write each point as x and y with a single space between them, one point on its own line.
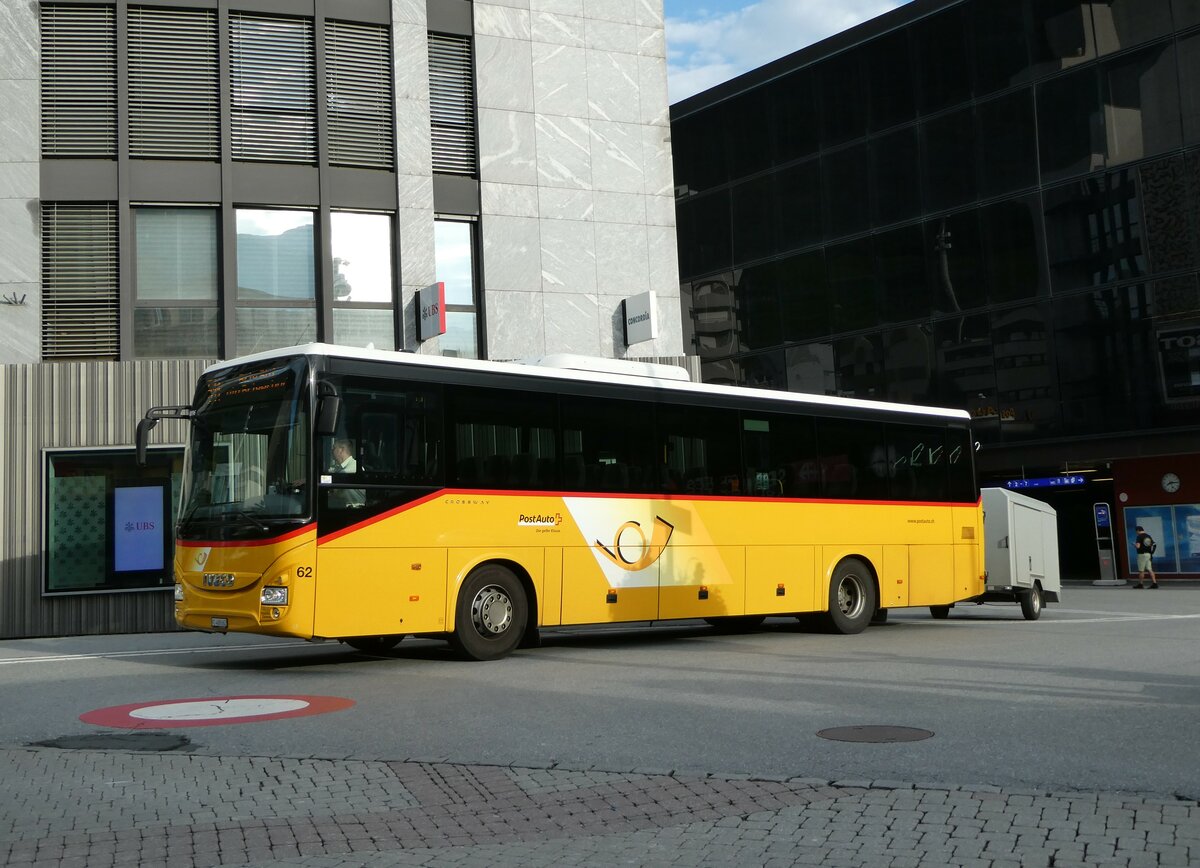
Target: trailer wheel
940 612
1031 602
851 597
491 615
374 644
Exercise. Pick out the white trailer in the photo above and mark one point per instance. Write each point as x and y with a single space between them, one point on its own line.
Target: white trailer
1021 556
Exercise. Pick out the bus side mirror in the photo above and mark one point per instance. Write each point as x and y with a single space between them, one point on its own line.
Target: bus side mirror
327 415
144 427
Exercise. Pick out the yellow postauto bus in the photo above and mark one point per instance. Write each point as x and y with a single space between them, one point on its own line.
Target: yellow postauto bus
360 495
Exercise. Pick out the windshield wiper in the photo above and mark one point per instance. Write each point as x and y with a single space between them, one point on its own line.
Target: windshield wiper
241 513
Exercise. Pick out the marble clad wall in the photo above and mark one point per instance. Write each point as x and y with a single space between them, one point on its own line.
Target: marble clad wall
20 258
575 170
414 162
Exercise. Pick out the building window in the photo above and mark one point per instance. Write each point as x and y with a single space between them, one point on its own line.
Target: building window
363 284
108 522
358 84
451 104
271 65
454 265
79 81
276 292
175 261
80 310
173 86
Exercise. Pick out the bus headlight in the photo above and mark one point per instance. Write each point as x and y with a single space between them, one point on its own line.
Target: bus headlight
178 592
273 595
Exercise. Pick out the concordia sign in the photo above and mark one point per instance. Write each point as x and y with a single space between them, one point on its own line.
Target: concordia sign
640 315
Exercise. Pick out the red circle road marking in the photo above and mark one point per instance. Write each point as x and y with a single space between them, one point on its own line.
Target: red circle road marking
212 711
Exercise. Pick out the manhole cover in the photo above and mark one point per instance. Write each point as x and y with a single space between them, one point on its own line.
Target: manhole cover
156 741
875 734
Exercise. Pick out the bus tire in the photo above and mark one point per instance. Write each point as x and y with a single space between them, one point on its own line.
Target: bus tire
374 644
736 623
1031 603
851 597
940 612
492 611
880 616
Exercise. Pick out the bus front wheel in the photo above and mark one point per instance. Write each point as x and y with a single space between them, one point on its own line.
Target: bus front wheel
851 597
491 615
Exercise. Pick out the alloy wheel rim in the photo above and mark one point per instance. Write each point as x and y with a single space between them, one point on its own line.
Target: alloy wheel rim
491 611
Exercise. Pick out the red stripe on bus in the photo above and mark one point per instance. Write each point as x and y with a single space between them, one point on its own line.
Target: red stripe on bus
198 544
508 492
367 522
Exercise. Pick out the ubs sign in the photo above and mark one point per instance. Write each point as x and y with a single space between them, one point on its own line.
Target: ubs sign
431 311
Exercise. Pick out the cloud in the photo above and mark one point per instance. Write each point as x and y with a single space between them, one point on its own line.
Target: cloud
706 48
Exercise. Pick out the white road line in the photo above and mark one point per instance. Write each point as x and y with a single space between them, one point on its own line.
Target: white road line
1114 618
114 654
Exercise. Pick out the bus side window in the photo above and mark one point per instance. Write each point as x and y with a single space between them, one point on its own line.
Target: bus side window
918 461
854 459
396 429
780 454
960 461
608 438
503 439
702 445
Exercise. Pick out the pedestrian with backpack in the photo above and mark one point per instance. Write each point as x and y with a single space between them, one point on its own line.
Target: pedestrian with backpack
1145 546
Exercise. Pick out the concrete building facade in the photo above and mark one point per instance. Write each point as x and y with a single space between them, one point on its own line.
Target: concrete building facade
198 179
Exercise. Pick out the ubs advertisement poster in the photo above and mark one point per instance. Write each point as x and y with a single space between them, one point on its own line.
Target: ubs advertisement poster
138 528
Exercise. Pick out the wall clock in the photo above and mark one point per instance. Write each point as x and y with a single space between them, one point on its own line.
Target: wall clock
1170 483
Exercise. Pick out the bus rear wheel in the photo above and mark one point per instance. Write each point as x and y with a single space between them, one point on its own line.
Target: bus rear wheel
940 612
491 614
374 644
851 597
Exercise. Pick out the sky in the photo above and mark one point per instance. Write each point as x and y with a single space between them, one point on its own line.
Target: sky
715 40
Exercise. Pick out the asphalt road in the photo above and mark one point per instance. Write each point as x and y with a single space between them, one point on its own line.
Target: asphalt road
1100 694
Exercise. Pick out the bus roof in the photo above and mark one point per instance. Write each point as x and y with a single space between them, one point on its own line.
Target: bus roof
609 371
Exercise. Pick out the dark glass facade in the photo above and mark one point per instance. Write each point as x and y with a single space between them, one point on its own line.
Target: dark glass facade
989 204
985 204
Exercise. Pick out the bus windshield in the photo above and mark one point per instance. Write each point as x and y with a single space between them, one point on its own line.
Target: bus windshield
248 457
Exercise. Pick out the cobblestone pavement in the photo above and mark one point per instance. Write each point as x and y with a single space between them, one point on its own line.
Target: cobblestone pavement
102 808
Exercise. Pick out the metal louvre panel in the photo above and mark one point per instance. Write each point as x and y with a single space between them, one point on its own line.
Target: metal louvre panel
79 81
359 92
451 104
173 88
273 115
80 303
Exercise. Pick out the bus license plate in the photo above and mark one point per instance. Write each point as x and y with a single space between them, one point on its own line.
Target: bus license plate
220 623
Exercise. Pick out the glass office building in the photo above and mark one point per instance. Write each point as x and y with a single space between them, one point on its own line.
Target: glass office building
985 204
